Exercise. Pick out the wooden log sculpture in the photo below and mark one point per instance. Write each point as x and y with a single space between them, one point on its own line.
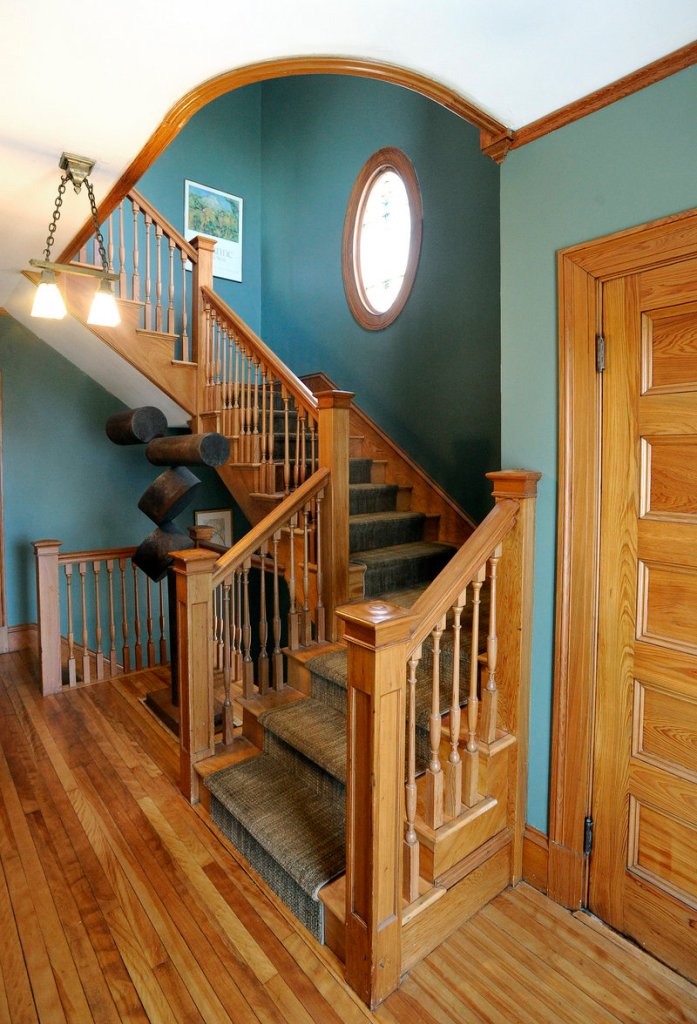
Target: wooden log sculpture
153 555
189 450
169 495
136 426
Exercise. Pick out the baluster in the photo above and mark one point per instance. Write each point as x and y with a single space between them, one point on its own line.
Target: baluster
307 618
123 293
277 655
186 351
247 665
125 649
96 255
296 461
321 625
255 453
110 243
163 636
410 879
218 367
82 258
99 654
303 453
170 305
148 281
293 624
286 443
263 469
230 386
263 663
158 278
270 439
453 768
236 406
470 788
238 620
220 626
136 613
223 386
313 447
244 412
228 719
82 569
248 412
135 285
72 670
148 623
215 622
113 664
490 692
207 355
433 801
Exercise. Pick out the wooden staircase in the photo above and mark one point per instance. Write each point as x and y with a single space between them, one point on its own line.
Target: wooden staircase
353 551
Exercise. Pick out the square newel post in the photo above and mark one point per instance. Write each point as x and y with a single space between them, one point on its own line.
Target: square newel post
514 599
378 643
333 431
48 614
193 574
202 277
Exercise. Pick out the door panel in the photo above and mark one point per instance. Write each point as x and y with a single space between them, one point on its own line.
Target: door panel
643 872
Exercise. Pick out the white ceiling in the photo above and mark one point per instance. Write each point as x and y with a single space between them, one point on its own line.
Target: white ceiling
98 78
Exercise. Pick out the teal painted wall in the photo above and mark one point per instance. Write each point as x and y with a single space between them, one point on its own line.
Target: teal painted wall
62 476
630 163
431 379
220 147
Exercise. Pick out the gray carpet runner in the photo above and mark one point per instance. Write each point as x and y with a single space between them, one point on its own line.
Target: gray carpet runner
285 809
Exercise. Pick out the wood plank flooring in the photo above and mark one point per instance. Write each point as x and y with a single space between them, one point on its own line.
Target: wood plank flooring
119 902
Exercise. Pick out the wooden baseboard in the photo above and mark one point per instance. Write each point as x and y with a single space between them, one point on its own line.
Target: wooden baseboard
21 638
535 858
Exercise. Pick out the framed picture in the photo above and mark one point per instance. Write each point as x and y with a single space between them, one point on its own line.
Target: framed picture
218 215
221 521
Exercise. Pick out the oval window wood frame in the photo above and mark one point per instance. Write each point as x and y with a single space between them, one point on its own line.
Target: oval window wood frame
385 159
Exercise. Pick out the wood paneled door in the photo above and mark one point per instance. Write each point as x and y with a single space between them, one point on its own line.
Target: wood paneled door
643 869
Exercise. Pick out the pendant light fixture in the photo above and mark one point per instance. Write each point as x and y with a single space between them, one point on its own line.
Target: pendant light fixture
48 301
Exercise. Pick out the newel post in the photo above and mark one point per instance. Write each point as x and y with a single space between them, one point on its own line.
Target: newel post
202 277
193 574
333 450
48 614
378 640
515 593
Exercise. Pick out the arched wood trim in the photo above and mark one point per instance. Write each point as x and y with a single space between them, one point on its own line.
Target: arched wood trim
385 159
491 130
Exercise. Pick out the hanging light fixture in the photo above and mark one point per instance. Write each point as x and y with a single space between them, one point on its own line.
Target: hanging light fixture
48 301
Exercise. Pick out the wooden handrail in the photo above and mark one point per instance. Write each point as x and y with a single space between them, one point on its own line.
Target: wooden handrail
167 229
439 597
274 521
71 557
293 384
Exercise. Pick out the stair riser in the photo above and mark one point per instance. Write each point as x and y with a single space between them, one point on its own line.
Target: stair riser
368 536
298 766
360 471
381 579
382 498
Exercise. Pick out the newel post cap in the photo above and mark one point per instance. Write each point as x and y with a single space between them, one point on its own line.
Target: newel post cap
514 483
200 242
42 546
194 560
376 624
334 399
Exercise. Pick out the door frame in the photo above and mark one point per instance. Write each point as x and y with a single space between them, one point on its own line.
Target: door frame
582 271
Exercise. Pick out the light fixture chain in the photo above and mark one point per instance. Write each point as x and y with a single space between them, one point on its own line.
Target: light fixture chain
56 217
97 230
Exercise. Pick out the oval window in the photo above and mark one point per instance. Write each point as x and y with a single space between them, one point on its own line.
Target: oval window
382 238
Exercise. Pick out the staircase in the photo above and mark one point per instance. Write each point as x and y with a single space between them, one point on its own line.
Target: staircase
377 638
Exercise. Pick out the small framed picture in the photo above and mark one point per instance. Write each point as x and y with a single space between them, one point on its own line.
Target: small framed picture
220 519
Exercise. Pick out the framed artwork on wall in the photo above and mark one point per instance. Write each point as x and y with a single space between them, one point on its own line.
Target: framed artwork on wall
220 519
218 215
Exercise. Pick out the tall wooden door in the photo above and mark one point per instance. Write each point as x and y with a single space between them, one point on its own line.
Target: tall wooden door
643 869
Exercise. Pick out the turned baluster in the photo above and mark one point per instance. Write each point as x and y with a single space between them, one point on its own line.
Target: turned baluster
72 670
453 768
228 720
244 408
227 387
186 351
321 625
218 364
263 663
138 648
148 281
277 656
293 618
163 636
248 412
82 569
255 455
122 256
148 623
220 652
110 243
296 461
235 427
410 878
490 692
125 650
158 278
247 664
433 799
313 447
99 654
303 447
263 469
113 663
470 786
307 618
270 465
238 626
286 442
170 293
207 355
135 281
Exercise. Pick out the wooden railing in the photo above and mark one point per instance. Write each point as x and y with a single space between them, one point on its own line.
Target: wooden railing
214 602
386 811
98 615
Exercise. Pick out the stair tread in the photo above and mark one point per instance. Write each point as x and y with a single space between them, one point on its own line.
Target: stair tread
380 517
316 730
399 552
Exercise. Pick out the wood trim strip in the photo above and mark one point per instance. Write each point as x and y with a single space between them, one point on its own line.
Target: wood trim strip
21 638
651 73
535 858
185 108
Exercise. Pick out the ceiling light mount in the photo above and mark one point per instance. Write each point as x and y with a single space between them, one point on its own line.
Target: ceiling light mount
77 168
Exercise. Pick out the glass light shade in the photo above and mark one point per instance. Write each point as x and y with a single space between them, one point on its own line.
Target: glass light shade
104 311
48 301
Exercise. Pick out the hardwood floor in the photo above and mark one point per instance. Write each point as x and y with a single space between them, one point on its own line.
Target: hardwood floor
118 902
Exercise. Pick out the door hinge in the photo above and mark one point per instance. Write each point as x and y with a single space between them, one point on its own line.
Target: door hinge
587 836
599 353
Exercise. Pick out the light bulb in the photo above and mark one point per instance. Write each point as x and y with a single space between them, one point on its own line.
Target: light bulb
104 311
48 301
